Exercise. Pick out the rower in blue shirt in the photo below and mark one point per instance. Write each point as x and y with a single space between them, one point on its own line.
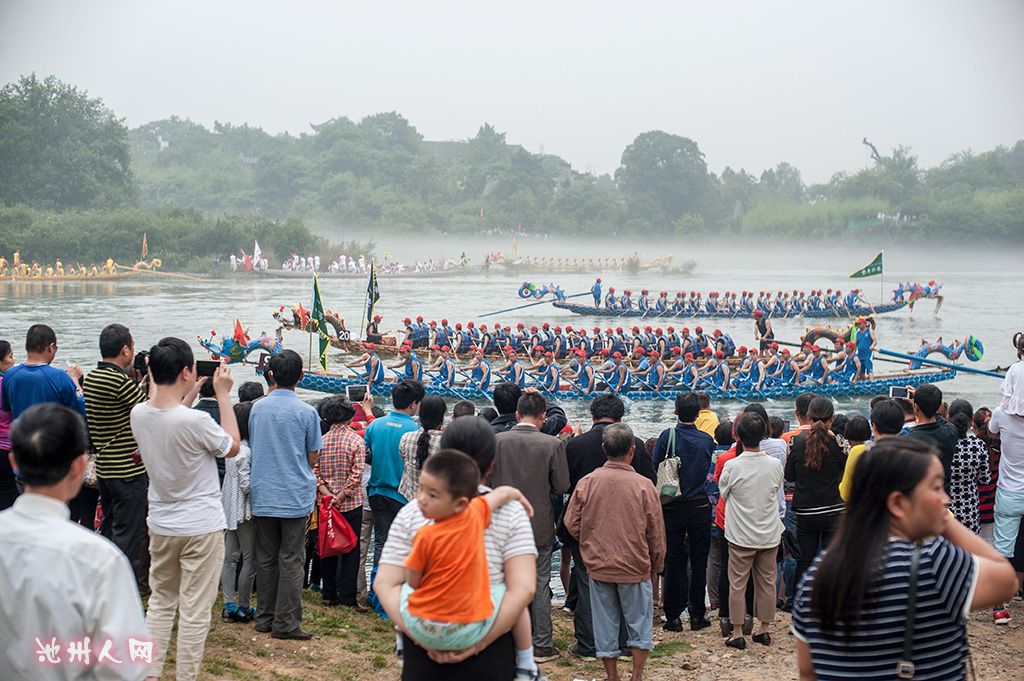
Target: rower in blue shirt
618 378
610 301
661 304
549 375
513 371
422 332
480 371
643 303
724 342
409 360
445 368
815 368
372 363
626 301
866 342
595 291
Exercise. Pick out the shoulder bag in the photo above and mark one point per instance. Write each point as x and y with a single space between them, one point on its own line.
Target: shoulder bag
668 470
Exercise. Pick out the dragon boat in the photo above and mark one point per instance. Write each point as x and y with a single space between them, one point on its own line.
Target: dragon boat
855 311
336 383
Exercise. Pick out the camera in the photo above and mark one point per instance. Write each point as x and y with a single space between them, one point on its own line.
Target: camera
141 362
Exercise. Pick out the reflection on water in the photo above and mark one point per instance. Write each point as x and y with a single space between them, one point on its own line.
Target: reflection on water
982 298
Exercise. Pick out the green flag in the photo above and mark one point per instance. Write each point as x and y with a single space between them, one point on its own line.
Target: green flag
319 322
871 269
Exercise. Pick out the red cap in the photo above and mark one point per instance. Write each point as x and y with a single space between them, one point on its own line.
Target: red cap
604 352
618 329
407 321
377 317
597 329
611 289
658 331
580 352
758 313
671 329
520 326
370 346
688 356
568 327
469 325
638 350
433 323
648 329
753 351
458 325
774 346
444 322
509 349
635 328
699 329
583 332
628 292
850 344
861 320
815 348
643 291
617 355
435 346
545 325
742 349
676 349
708 351
785 351
558 329
419 318
533 328
446 349
718 332
720 354
599 280
654 353
483 327
548 354
685 330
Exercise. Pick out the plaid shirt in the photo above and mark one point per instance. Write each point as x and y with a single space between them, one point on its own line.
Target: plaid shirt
340 467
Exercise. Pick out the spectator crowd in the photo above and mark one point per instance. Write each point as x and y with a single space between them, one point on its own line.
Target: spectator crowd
142 479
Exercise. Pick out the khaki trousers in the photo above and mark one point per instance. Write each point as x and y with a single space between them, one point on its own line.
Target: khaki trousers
184 575
760 564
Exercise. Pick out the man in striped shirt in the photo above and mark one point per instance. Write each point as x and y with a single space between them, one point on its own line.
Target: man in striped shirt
110 393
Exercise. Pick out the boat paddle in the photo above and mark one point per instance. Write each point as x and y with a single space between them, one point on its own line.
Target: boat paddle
542 302
946 365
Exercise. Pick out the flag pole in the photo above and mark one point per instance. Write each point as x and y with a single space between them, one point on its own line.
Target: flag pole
366 303
881 281
309 357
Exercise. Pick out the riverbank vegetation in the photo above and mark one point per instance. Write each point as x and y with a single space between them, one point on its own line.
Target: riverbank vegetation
74 172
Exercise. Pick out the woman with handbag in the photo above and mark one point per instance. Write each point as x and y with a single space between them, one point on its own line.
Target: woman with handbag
890 597
339 475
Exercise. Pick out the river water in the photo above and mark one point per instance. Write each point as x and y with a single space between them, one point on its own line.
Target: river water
984 297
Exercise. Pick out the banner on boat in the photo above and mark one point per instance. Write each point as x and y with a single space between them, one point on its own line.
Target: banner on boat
871 269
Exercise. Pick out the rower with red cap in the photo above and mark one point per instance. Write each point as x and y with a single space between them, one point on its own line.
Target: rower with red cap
445 367
764 334
617 378
716 371
626 301
488 343
479 370
581 373
700 341
548 373
595 291
407 358
655 373
422 332
682 372
724 342
772 365
610 300
513 371
643 303
845 364
373 334
372 363
661 304
815 368
866 343
410 332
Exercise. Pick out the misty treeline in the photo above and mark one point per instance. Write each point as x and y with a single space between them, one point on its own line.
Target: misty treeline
63 151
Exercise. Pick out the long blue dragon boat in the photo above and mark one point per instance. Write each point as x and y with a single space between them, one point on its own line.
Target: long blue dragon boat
334 383
855 311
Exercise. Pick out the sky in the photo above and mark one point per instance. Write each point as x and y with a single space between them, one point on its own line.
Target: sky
753 83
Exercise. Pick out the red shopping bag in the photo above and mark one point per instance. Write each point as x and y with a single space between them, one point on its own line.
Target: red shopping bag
335 534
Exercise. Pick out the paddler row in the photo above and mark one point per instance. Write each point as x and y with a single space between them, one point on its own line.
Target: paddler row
672 369
731 303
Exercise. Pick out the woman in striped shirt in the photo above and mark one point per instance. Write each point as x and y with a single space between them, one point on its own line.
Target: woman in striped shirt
851 614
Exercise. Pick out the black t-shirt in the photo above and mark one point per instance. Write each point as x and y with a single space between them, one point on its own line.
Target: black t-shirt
942 434
816 491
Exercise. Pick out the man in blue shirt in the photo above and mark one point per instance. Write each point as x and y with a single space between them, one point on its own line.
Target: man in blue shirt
34 381
687 517
284 436
386 467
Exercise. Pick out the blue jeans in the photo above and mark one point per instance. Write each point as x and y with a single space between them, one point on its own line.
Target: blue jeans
1008 512
613 603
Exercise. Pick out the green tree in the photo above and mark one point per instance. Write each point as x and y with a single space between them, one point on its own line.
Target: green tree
665 170
60 149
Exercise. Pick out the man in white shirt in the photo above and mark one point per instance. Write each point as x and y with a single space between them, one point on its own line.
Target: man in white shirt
70 608
180 446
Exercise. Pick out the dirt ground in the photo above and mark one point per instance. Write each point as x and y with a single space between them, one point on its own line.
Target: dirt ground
348 645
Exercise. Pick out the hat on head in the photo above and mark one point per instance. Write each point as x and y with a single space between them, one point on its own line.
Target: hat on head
699 329
444 322
617 355
548 354
419 318
407 321
688 356
435 346
774 346
377 317
718 332
469 325
742 349
758 313
720 354
708 351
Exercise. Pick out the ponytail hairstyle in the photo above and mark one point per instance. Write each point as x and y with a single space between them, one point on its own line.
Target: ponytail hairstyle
432 410
816 439
853 562
1018 344
961 415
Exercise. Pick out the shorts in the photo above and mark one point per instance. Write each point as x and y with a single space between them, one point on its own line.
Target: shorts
630 604
867 366
448 635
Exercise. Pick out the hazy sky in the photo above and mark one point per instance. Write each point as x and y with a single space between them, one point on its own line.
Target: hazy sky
753 82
